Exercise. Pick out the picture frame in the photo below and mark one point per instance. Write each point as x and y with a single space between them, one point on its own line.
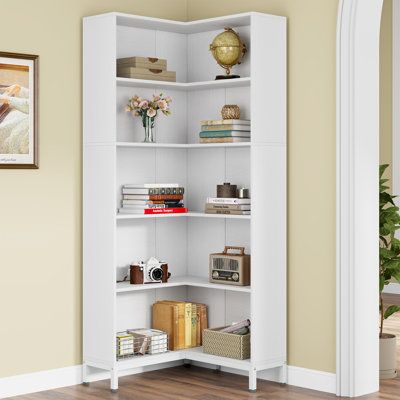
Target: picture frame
19 110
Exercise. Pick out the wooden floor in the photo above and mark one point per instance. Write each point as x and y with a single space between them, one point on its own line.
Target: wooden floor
195 383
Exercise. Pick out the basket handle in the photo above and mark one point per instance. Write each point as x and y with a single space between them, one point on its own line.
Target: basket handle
240 248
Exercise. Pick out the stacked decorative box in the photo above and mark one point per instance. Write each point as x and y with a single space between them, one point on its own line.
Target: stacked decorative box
151 68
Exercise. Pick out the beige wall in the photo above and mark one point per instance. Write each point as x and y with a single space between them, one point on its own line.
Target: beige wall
386 86
40 221
40 211
311 140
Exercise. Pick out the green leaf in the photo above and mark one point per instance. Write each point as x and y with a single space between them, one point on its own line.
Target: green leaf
382 169
390 311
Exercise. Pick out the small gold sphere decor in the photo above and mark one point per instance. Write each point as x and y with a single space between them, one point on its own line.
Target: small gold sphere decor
230 111
228 50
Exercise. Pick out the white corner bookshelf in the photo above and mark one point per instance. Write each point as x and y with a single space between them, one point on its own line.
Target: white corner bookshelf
113 155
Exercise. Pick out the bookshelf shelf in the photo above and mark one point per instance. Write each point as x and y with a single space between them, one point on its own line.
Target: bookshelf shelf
182 145
114 156
182 215
193 354
205 85
194 281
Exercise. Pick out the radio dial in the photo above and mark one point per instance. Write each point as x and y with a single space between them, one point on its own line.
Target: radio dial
215 274
235 276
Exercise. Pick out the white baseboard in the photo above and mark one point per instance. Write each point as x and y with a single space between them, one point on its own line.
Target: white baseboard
312 379
39 381
296 376
69 376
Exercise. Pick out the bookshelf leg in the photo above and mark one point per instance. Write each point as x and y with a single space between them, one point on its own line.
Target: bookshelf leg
114 380
283 374
253 380
85 374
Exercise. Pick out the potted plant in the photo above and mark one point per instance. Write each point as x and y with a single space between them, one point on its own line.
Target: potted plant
389 269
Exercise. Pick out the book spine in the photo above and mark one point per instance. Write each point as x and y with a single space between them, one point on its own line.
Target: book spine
161 185
144 206
194 326
203 321
175 332
181 326
166 190
198 326
154 191
172 210
222 200
237 207
232 212
224 133
153 197
226 122
230 127
188 325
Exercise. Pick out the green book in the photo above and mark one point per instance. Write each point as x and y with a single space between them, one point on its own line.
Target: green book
227 133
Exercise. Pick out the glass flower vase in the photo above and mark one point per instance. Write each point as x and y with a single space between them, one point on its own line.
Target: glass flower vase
148 125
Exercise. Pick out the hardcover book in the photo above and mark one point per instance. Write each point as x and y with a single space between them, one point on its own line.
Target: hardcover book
156 210
195 322
152 191
227 200
146 202
166 318
224 140
232 212
226 133
151 185
234 207
225 127
226 122
180 333
154 197
171 210
188 325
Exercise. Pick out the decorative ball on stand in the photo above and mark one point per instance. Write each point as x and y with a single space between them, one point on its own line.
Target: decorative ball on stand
228 50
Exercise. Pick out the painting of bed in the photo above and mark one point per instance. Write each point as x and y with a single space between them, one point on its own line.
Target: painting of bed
18 111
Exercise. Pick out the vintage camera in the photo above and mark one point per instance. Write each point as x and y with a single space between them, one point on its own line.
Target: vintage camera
151 271
230 269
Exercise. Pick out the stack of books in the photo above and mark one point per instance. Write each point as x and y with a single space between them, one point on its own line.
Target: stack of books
183 322
225 205
225 131
152 198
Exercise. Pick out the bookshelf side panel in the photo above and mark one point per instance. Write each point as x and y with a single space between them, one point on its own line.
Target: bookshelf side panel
268 74
268 253
99 72
98 253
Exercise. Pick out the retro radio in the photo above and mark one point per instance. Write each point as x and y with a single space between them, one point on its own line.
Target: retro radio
230 268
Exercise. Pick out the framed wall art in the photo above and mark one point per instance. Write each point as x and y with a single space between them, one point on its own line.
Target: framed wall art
18 110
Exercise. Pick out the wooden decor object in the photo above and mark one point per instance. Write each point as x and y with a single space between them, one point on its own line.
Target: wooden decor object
230 111
226 190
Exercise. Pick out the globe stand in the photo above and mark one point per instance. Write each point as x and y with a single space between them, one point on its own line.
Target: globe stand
218 77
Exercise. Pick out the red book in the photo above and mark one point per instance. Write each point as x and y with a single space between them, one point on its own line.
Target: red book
174 210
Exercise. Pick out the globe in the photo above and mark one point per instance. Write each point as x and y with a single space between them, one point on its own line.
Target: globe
228 50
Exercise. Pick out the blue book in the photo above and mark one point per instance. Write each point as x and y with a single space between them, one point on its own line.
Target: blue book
228 133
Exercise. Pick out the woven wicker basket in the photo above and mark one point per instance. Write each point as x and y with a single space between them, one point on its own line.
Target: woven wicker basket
226 344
